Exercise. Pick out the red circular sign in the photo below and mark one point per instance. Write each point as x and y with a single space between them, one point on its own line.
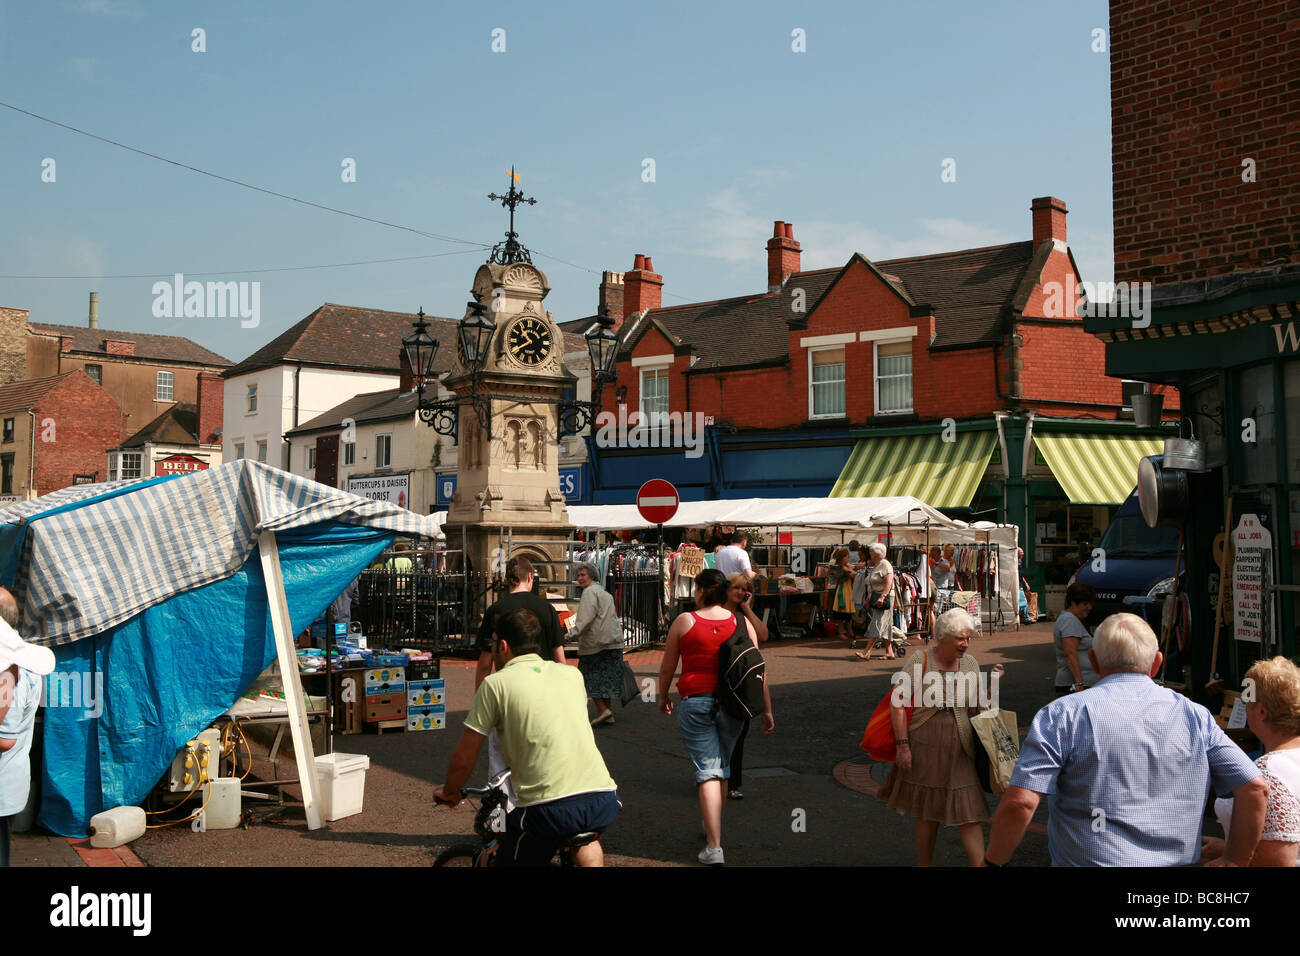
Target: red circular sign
657 501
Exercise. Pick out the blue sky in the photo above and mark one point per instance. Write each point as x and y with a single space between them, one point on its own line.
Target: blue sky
845 140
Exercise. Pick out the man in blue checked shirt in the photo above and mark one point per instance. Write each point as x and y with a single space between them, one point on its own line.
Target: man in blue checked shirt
1126 766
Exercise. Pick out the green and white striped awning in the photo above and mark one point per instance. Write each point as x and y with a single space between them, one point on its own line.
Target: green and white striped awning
943 474
1096 469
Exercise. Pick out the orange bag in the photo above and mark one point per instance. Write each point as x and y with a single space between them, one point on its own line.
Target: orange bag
878 738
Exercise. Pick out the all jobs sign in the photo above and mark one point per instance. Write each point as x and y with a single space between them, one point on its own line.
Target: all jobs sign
1254 547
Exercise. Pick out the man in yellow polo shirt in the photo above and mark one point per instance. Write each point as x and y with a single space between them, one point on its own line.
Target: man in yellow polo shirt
539 710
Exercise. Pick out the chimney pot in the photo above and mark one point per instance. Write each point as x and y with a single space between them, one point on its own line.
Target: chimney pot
642 289
1048 219
783 255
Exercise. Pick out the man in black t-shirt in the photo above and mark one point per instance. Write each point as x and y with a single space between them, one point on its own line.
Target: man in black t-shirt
519 579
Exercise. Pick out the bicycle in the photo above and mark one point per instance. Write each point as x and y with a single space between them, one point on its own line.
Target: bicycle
490 823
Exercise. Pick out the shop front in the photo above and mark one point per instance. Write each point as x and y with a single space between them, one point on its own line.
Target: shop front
1060 480
1230 345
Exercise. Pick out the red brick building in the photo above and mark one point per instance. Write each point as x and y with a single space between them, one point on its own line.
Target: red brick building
1205 126
55 432
926 375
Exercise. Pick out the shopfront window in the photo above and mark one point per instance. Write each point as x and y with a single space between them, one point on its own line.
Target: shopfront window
1257 418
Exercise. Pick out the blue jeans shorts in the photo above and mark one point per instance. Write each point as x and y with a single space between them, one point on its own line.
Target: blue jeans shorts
709 739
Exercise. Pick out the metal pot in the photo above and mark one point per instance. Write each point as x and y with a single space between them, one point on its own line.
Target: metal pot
1163 494
1185 454
1147 409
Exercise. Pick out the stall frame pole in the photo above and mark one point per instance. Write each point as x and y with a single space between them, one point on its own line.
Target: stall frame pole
282 627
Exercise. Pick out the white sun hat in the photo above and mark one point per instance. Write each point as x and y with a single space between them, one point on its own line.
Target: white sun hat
14 650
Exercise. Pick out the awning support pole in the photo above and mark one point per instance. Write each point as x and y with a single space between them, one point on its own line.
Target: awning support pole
278 605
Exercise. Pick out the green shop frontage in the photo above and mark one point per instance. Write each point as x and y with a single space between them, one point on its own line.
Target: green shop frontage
1060 480
1231 346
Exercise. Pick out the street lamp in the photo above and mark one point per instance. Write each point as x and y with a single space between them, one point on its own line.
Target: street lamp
475 332
602 346
420 350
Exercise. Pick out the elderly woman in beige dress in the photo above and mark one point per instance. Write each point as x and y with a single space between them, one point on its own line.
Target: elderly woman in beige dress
934 780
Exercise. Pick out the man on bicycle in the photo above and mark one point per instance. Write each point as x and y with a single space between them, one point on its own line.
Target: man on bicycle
539 709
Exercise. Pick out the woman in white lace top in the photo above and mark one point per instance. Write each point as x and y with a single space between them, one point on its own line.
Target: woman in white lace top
1274 717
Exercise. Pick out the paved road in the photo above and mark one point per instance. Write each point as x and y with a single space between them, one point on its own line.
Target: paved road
822 695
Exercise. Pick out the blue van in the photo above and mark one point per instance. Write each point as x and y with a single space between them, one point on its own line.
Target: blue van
1140 561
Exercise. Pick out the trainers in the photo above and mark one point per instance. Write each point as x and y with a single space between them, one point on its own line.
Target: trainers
711 856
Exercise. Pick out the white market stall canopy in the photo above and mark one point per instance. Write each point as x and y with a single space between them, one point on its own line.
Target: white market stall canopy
847 514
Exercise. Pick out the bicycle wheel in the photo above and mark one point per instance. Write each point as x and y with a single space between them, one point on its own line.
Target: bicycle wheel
461 854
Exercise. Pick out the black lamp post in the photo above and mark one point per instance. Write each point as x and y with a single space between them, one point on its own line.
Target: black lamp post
602 346
475 332
421 348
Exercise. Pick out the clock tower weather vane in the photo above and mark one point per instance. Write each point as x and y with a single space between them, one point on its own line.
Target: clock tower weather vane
511 250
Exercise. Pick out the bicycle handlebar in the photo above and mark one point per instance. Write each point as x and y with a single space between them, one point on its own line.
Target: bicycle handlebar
465 792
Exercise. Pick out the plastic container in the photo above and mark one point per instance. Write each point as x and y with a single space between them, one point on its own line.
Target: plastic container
116 827
224 804
341 784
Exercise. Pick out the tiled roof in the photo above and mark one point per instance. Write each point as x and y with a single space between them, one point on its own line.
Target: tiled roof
367 407
968 290
745 330
170 348
178 425
350 337
20 396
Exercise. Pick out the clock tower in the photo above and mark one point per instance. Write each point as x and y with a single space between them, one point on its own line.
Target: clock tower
508 430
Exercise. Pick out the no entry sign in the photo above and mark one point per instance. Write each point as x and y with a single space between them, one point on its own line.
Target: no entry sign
657 501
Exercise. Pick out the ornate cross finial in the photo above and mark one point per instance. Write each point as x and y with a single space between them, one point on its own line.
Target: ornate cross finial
504 253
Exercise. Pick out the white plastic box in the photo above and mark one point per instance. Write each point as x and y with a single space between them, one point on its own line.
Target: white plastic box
341 782
225 799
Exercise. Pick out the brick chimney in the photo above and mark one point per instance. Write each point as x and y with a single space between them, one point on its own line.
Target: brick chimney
642 287
1049 219
611 297
782 255
406 378
211 403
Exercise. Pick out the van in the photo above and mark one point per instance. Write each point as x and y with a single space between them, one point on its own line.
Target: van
1140 561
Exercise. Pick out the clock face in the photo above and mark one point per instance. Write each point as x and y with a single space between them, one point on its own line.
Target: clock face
529 341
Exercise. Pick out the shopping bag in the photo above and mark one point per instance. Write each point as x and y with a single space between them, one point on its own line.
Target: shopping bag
997 732
878 737
630 688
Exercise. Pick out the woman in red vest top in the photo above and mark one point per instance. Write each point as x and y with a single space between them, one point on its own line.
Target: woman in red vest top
709 732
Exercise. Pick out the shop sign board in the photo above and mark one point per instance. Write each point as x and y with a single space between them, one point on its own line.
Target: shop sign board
1253 545
8 500
179 465
392 488
571 484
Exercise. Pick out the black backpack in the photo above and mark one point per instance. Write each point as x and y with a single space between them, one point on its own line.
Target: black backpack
741 673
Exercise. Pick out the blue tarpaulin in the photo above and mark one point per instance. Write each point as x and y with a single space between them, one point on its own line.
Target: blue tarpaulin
170 669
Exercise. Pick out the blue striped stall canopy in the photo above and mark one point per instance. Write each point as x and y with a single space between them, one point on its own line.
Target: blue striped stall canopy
89 557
